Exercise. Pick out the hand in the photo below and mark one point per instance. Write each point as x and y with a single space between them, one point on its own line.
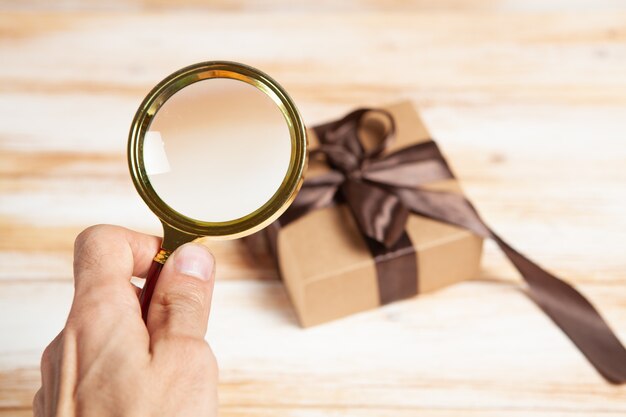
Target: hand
106 361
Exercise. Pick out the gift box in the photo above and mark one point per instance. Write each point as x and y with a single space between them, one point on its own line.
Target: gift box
332 269
380 217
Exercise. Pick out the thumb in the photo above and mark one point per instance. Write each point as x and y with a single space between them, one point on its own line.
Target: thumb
182 297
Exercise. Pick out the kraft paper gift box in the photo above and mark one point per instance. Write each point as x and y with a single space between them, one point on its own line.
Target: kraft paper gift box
361 233
328 265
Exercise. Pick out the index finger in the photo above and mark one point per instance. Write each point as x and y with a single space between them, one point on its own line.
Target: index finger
109 256
105 311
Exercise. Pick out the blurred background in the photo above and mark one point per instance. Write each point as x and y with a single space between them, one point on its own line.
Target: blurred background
526 98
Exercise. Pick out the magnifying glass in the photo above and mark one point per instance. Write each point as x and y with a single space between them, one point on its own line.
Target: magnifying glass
218 150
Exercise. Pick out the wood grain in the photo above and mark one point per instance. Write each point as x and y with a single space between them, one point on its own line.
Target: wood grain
527 99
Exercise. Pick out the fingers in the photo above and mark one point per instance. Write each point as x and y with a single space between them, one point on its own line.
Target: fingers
182 298
111 255
105 259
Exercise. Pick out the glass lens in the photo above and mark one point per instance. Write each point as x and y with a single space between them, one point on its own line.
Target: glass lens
217 150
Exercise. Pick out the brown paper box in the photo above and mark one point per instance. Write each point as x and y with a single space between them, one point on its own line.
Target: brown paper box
327 267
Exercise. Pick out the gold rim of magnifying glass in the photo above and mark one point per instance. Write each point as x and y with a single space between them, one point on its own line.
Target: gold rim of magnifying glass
180 228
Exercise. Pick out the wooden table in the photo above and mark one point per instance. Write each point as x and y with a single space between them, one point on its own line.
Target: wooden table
527 100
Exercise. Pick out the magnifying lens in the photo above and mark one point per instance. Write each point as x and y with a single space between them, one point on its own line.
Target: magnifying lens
217 150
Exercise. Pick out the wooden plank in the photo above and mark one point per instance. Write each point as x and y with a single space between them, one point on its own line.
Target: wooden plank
313 411
453 58
327 6
476 345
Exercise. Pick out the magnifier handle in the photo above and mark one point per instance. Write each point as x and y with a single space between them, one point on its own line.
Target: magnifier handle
151 279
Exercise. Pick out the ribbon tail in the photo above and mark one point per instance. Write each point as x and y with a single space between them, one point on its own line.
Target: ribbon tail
567 307
574 314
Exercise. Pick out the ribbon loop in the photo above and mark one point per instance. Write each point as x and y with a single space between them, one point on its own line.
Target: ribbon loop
345 146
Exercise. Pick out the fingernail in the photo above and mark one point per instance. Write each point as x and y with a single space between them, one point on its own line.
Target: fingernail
195 260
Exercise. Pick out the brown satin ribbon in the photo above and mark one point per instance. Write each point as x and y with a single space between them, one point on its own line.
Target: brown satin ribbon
396 269
381 191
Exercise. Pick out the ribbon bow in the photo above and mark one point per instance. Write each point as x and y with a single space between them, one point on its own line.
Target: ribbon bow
381 189
370 183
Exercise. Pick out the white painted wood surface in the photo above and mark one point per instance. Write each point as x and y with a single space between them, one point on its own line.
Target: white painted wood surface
527 100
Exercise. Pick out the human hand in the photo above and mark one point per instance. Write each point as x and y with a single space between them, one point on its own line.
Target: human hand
106 361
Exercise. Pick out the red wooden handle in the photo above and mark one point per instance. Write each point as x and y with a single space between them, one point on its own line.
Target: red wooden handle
148 289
